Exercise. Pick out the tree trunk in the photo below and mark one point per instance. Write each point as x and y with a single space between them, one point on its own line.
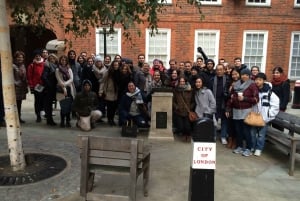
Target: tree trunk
16 154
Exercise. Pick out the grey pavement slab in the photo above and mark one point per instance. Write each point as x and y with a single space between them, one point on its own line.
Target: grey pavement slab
237 178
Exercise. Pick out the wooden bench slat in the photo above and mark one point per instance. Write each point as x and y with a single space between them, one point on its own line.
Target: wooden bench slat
121 144
111 154
110 197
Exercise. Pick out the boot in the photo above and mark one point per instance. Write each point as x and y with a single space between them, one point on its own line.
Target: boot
62 121
68 119
233 145
50 122
229 144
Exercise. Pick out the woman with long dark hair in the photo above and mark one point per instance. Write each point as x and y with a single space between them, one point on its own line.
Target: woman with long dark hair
109 91
281 87
21 85
66 90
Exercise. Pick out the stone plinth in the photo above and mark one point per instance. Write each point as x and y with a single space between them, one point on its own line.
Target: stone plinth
161 116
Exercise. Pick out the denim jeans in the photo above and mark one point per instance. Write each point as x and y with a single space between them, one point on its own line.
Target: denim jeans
243 132
258 135
224 124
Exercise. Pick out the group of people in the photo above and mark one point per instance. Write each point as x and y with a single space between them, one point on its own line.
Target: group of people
89 88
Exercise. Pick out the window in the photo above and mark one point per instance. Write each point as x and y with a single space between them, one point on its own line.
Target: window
113 42
210 2
255 49
166 1
158 46
294 70
258 2
297 3
209 41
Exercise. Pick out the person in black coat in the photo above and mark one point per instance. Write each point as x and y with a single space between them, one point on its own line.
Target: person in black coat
132 107
50 84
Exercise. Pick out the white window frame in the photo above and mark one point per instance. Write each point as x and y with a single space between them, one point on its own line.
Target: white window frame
268 3
262 67
291 56
215 55
99 33
166 1
207 2
296 5
168 31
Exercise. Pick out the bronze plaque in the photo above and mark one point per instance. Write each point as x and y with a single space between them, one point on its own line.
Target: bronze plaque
161 119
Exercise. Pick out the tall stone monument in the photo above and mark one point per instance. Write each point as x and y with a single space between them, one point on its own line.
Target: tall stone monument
161 115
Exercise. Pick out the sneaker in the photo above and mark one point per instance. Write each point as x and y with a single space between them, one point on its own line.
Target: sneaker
257 152
223 140
247 152
238 150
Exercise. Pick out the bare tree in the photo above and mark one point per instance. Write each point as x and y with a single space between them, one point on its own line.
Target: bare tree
17 158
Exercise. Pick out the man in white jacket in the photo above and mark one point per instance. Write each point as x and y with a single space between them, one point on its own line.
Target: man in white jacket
268 107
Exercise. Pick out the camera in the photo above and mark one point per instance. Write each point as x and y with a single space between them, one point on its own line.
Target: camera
199 49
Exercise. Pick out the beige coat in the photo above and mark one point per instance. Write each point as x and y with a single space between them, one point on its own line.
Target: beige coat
61 82
107 88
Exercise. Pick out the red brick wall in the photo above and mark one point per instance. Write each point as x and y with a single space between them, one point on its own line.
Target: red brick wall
231 18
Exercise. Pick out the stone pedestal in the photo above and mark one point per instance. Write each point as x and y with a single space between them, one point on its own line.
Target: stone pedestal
161 116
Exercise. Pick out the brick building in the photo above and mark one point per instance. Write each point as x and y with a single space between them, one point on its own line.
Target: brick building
265 33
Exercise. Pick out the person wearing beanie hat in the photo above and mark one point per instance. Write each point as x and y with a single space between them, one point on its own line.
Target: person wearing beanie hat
98 58
85 106
246 71
34 75
268 107
243 96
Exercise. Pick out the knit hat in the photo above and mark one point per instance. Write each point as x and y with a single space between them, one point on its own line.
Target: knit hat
261 75
98 58
210 60
86 82
37 52
246 71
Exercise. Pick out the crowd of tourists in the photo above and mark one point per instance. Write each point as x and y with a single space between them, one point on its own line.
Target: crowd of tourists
89 88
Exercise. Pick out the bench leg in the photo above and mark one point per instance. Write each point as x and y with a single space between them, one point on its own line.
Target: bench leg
146 175
292 158
90 181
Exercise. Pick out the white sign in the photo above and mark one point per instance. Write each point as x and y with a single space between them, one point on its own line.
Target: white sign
204 155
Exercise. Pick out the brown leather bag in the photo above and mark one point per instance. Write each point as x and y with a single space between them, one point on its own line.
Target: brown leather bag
193 116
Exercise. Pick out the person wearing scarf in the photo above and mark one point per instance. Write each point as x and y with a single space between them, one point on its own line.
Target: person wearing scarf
281 87
183 103
64 78
241 105
76 69
132 107
34 77
21 85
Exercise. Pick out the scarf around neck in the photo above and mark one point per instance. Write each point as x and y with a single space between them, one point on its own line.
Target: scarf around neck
279 80
65 72
136 96
240 87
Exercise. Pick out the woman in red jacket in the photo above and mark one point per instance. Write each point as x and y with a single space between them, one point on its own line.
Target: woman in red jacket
34 77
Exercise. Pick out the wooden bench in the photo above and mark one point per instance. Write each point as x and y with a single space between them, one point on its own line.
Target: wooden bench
288 141
113 155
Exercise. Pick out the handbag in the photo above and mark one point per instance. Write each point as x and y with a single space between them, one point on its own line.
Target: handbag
129 129
254 119
192 115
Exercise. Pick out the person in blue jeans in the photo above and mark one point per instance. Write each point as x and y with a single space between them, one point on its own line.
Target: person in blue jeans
268 107
244 95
